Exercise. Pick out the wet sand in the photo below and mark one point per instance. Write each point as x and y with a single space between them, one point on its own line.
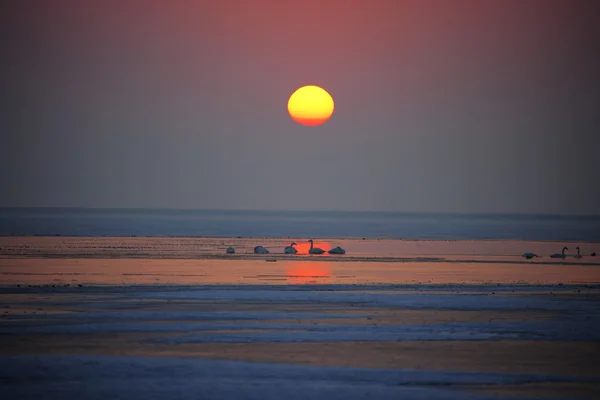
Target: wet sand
193 261
368 249
118 271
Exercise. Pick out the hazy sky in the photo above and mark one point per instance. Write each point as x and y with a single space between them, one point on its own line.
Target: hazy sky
467 106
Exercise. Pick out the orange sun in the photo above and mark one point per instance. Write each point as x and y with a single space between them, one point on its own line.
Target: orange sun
310 105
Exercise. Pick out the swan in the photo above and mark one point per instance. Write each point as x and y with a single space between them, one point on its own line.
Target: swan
337 250
529 255
261 250
562 255
290 249
314 250
230 250
577 255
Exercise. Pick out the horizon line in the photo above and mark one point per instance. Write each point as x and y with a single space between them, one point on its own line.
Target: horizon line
237 210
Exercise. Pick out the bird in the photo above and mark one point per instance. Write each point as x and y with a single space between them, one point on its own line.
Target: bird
577 255
230 250
337 250
290 249
314 250
529 255
261 250
561 255
593 254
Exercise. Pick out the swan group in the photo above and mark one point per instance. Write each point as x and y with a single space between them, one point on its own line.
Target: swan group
292 250
562 255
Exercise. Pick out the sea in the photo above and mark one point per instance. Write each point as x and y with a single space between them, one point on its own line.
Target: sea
281 224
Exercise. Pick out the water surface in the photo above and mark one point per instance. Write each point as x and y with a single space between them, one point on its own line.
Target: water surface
215 223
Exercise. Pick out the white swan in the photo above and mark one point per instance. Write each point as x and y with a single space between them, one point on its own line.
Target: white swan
230 250
315 250
261 250
290 249
337 250
577 255
561 255
529 255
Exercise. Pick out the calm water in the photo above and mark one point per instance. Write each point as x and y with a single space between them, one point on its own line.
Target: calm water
205 223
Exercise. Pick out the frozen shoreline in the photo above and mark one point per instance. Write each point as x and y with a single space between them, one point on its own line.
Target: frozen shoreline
329 341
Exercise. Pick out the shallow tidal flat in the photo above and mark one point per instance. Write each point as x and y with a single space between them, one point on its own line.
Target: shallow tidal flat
192 261
431 323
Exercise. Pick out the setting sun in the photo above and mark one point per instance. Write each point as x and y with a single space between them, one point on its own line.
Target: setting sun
310 105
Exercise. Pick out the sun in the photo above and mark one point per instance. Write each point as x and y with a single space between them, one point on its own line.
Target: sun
310 105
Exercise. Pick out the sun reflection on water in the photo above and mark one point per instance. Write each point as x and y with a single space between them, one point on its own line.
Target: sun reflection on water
307 272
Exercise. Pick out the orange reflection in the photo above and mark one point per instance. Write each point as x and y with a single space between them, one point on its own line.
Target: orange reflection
304 246
306 272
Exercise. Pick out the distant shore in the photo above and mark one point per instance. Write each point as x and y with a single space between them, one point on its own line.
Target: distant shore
328 238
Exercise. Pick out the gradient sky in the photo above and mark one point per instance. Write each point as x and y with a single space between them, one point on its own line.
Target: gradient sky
448 106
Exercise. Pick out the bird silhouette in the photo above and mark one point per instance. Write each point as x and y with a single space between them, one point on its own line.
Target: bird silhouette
560 255
314 250
337 250
290 249
529 255
261 250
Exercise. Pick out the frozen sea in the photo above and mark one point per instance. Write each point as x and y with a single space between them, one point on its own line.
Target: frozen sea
256 342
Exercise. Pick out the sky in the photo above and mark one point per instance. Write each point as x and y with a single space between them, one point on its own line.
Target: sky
440 106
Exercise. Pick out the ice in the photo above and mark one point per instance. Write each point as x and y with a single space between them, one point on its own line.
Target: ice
102 377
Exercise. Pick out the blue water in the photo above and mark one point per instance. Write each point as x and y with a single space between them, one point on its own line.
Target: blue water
210 223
